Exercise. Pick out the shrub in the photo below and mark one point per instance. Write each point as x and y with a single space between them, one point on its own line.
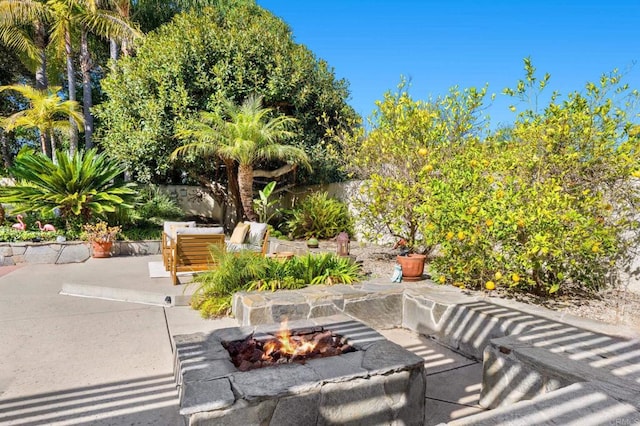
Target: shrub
12 235
157 206
546 206
76 187
245 271
320 216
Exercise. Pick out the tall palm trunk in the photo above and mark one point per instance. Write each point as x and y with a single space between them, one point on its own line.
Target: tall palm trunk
52 137
42 82
4 148
113 49
234 190
44 143
85 64
71 78
245 182
41 43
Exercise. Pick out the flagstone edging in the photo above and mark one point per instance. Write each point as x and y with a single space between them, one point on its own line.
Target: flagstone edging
68 252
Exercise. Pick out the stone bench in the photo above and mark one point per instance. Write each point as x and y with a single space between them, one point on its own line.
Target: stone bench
527 351
592 403
529 365
359 301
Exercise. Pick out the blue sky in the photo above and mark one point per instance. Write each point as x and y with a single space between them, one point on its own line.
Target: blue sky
439 44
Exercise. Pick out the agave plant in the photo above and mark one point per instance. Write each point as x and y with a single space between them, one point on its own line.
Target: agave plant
81 186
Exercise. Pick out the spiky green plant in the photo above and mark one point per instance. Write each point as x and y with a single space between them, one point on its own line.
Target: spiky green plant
245 271
80 187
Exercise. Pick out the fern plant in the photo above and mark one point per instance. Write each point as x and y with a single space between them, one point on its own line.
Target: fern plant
320 216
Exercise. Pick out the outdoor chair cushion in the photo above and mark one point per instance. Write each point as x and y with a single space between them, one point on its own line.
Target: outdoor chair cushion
254 240
170 227
256 234
200 231
239 233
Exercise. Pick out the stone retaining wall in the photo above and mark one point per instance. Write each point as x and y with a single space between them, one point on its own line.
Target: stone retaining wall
69 252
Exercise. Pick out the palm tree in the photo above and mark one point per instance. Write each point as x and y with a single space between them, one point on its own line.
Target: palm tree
245 138
85 17
82 185
59 20
23 28
104 23
46 113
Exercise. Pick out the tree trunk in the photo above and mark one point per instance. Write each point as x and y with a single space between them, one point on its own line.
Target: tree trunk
4 146
41 43
52 137
126 51
234 189
113 49
245 183
85 64
44 144
71 78
42 83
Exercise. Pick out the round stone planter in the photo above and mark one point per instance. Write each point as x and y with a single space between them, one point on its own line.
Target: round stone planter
412 266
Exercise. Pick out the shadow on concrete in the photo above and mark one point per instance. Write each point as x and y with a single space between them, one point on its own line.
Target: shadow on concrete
577 404
526 356
145 400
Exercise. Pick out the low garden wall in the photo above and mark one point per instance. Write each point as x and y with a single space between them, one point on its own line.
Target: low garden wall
69 252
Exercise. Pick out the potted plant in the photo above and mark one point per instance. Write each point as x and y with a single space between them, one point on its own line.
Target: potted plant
101 236
412 264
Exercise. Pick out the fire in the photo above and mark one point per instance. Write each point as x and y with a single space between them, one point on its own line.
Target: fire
287 344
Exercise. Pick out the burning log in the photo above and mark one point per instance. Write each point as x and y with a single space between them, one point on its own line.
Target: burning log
286 347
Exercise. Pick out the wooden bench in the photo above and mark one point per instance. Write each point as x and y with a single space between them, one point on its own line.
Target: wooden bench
192 253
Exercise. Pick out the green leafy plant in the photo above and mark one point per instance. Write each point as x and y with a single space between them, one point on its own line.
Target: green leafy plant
78 186
263 205
320 216
157 206
245 271
12 235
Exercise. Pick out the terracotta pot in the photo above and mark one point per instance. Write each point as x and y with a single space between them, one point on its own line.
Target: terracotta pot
412 266
101 248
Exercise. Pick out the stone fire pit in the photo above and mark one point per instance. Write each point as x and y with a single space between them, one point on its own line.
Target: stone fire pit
379 383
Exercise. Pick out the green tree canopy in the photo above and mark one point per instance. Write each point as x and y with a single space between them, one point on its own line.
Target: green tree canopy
198 62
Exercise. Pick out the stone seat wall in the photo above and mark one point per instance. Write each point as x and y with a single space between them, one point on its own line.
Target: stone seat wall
526 350
68 252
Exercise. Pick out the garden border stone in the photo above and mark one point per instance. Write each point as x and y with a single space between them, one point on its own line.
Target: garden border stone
69 251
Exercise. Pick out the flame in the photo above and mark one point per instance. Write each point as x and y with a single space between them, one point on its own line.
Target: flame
288 345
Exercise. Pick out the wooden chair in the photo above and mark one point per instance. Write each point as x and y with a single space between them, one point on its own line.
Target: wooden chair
191 252
168 231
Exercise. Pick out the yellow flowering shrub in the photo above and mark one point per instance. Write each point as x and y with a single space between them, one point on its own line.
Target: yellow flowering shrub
545 205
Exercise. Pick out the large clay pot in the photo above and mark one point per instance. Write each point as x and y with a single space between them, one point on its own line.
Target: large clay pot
412 266
102 248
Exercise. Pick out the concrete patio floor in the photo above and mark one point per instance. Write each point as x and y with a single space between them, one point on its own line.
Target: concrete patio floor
76 361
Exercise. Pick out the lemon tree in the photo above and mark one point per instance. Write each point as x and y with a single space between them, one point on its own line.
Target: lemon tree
545 205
